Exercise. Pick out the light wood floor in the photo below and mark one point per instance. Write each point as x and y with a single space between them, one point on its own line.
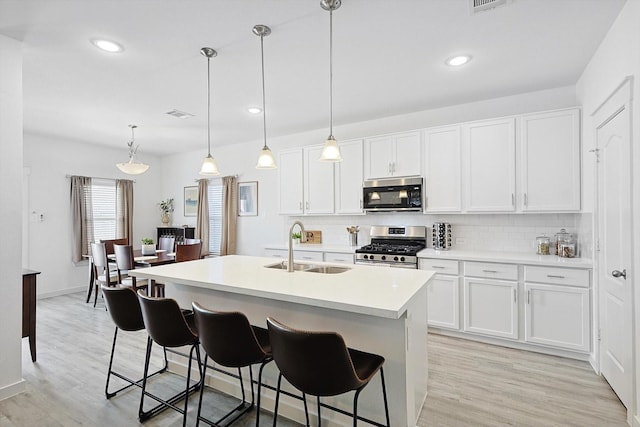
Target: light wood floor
471 384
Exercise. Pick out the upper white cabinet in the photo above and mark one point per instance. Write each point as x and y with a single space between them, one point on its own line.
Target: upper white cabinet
550 161
349 176
392 155
290 172
318 182
442 169
306 184
488 165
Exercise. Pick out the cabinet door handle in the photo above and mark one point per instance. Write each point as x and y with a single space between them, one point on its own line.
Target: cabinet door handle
389 167
307 257
513 199
301 205
437 266
393 167
529 297
489 271
552 276
360 204
515 295
307 204
525 199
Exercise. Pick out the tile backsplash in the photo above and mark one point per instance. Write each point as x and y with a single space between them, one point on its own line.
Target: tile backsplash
477 232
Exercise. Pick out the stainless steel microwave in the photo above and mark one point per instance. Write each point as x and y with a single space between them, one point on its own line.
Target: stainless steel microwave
393 194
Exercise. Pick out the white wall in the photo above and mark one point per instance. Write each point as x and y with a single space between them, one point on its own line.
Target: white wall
49 241
269 227
11 216
617 57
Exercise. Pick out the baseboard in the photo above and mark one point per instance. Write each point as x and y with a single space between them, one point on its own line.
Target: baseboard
12 389
61 292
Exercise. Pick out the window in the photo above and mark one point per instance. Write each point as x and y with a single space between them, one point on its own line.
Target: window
103 204
215 218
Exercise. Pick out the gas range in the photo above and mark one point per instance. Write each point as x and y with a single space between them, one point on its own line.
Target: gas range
393 246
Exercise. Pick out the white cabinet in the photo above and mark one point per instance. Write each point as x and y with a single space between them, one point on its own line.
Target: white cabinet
442 169
318 182
443 294
290 175
557 315
550 161
392 155
490 304
349 176
305 183
488 165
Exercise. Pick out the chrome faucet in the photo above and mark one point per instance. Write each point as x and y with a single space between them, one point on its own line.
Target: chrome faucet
290 265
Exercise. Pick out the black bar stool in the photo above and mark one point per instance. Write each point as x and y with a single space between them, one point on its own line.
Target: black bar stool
231 341
320 364
167 326
124 308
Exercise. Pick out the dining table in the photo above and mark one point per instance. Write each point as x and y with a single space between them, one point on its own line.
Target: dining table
161 257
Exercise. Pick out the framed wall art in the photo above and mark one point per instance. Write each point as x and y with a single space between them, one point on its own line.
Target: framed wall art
248 198
191 201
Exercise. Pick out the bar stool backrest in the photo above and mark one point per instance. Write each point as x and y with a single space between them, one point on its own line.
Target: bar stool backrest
227 337
124 308
165 322
316 363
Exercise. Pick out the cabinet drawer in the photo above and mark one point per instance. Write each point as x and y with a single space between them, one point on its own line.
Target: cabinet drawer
307 255
491 270
557 276
276 253
338 257
442 266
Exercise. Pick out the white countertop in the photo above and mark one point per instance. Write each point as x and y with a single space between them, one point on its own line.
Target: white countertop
314 247
375 291
508 258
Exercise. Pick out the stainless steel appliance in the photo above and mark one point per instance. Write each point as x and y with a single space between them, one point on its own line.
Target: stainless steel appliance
393 246
441 236
393 194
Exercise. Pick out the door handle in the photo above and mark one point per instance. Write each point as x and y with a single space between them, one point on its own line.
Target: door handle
618 273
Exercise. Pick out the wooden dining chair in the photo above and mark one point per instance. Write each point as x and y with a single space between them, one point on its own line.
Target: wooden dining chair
124 263
101 272
108 244
188 252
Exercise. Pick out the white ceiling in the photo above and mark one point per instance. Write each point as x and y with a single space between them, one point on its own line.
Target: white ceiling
388 59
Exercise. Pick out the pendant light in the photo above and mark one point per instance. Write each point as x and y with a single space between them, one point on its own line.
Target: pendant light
132 167
330 151
209 166
265 158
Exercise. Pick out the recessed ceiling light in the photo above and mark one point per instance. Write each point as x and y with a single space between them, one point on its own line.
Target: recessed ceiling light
254 110
107 45
456 61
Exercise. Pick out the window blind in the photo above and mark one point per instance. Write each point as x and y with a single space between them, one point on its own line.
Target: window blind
215 218
103 198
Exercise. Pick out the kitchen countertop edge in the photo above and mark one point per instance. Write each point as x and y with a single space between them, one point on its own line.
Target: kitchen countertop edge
508 258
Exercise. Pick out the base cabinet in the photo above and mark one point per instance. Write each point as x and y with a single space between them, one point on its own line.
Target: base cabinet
443 302
491 307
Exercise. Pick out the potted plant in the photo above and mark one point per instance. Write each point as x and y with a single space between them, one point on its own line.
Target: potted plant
296 237
166 207
148 247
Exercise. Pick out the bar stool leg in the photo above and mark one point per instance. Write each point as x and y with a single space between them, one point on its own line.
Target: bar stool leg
306 411
275 409
384 396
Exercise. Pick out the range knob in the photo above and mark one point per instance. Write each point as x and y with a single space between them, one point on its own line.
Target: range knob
384 257
366 257
370 256
402 258
395 258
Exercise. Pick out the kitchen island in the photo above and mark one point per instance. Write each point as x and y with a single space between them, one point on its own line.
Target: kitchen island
380 310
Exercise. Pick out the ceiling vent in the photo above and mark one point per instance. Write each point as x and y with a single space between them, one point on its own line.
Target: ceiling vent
179 114
476 6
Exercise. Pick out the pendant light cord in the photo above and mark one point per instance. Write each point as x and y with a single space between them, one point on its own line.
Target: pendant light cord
209 106
331 72
264 110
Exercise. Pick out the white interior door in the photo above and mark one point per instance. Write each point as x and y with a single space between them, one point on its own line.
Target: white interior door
614 222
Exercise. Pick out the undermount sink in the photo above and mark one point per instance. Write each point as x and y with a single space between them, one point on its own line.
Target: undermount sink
311 268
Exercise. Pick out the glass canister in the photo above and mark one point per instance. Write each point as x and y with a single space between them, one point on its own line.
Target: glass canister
568 248
542 244
560 238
